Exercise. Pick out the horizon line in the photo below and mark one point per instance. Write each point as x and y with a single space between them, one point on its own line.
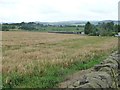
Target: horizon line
61 21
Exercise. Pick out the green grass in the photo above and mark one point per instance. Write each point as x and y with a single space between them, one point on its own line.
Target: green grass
53 74
52 28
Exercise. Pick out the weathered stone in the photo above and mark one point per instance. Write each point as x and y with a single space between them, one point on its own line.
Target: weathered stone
110 60
84 80
77 83
104 75
98 67
114 57
119 78
106 69
93 75
97 83
88 85
71 86
101 78
113 66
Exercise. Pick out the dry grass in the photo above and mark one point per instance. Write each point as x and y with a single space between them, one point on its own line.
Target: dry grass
23 51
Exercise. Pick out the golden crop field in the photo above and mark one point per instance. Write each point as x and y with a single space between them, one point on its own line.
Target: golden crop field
23 52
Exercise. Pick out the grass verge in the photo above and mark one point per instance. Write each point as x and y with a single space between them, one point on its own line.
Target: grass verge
52 76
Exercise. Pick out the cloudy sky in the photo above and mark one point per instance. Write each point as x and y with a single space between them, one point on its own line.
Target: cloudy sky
57 10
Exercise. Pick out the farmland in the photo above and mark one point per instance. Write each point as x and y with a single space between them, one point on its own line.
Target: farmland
40 59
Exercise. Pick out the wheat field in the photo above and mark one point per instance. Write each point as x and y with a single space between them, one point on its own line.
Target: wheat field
24 49
23 52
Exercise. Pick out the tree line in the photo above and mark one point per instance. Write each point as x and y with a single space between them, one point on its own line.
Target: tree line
102 29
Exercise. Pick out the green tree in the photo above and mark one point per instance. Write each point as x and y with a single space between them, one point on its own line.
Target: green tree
110 26
107 29
88 28
5 28
117 28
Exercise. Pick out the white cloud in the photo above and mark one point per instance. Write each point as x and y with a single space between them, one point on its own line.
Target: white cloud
57 10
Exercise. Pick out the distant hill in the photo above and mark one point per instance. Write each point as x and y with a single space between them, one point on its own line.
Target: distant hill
106 21
76 22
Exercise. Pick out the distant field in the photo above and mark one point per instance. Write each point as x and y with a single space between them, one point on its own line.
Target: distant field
52 28
27 56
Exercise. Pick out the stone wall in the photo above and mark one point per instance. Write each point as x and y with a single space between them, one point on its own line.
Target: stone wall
104 75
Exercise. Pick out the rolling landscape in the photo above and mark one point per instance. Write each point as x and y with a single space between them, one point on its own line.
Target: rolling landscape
33 58
59 44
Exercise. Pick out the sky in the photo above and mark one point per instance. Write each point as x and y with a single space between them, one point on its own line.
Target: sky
57 10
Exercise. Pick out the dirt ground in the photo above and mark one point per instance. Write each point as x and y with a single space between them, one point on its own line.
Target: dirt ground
71 79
